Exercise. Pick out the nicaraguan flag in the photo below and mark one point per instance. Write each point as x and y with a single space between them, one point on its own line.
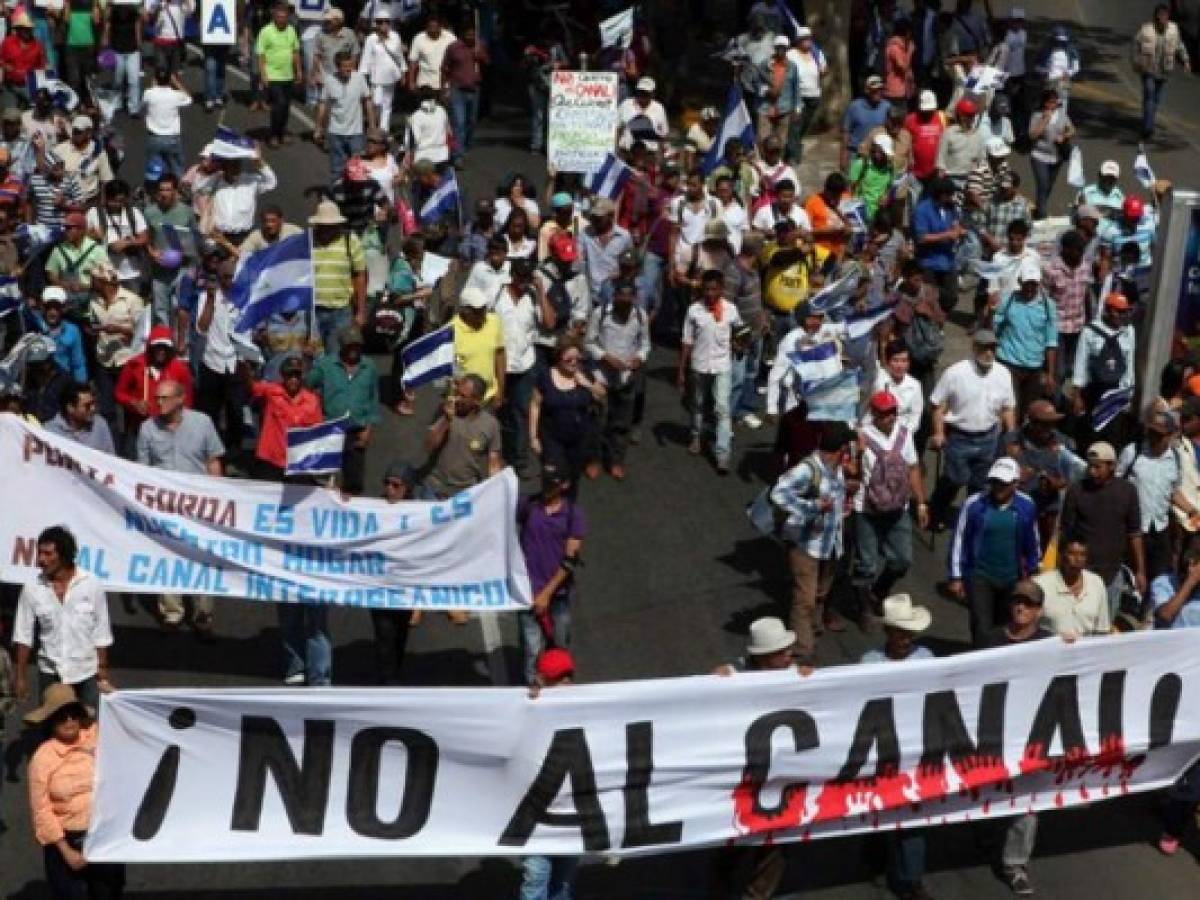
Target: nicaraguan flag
609 180
836 295
428 358
791 26
229 144
859 325
817 363
31 239
141 331
1112 404
10 295
1142 171
61 93
276 279
985 78
317 449
443 200
834 399
617 31
735 124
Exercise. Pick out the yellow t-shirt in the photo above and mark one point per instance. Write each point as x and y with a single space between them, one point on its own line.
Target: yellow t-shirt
475 350
788 286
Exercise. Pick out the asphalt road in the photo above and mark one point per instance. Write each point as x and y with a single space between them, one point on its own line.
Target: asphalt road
674 574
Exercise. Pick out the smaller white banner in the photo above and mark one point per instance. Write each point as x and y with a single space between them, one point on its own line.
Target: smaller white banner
218 23
582 119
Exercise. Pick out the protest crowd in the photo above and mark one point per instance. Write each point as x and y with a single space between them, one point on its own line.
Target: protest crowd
155 315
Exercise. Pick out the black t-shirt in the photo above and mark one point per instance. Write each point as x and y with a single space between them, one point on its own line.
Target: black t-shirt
999 637
125 21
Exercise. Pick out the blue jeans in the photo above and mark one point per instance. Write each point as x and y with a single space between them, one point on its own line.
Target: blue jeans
968 458
341 148
330 322
883 548
743 393
651 278
168 149
715 386
214 73
129 73
1152 89
548 877
533 638
306 644
1044 176
464 112
537 117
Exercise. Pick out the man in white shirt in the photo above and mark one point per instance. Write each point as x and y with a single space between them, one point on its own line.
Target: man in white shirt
84 157
1076 599
733 214
162 103
785 379
218 385
521 309
973 404
67 610
642 118
893 377
783 207
383 65
490 274
428 49
707 354
233 193
689 215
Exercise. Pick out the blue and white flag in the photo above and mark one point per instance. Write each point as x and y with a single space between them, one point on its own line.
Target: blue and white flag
1112 404
317 449
443 200
817 363
861 324
985 78
736 124
32 239
610 179
990 270
1141 169
61 93
836 295
10 295
229 144
141 331
834 399
787 20
617 31
276 279
428 358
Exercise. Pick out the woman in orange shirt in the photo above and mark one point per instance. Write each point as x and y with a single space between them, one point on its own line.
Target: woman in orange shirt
61 774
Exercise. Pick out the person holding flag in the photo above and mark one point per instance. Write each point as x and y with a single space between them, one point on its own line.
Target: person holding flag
348 383
286 404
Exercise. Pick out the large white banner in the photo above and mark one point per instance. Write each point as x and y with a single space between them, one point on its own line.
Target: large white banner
150 531
582 119
645 766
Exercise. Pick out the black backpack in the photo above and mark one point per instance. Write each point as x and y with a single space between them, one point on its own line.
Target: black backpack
1106 368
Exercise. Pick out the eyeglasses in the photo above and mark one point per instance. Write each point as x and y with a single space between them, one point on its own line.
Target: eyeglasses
161 397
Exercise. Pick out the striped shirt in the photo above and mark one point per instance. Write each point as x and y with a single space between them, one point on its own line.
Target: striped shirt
334 266
44 197
818 533
1069 288
1114 234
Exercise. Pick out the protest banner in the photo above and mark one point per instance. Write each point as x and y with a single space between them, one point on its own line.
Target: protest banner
582 119
149 531
643 766
218 23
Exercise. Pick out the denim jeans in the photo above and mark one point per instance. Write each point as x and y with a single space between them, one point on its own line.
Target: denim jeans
966 459
987 607
882 548
464 112
537 118
715 386
168 149
533 638
341 148
905 859
651 278
548 877
1020 836
163 292
743 394
1152 89
1044 176
330 322
306 645
128 73
214 73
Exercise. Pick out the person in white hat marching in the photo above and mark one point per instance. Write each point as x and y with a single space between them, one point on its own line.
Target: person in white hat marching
1105 194
1026 326
642 118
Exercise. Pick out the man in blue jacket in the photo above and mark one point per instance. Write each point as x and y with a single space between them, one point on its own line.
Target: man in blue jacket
995 545
68 341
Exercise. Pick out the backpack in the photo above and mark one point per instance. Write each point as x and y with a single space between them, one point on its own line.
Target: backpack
924 340
887 488
560 300
1106 368
769 519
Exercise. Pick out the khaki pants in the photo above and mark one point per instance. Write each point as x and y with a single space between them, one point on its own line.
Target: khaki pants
171 606
768 125
811 580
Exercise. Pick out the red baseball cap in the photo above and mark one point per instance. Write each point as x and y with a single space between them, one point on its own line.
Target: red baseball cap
966 107
160 335
563 247
884 401
555 663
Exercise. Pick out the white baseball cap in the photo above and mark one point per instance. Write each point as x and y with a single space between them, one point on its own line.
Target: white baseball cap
646 84
1110 167
927 101
884 142
1005 470
782 41
803 31
473 298
1029 271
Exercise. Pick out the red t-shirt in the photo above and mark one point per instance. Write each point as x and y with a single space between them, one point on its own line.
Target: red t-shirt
926 135
20 58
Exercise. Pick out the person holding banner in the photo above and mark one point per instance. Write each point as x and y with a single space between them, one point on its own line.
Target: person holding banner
61 775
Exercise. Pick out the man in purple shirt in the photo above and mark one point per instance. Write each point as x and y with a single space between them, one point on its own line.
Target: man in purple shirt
552 529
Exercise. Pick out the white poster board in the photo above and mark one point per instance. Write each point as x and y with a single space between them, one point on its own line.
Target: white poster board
582 119
218 23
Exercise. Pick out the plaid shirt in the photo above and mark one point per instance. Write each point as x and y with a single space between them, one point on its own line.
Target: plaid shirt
818 533
1002 213
1069 288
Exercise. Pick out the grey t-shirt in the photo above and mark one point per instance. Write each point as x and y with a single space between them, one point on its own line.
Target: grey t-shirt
345 101
463 459
186 449
98 437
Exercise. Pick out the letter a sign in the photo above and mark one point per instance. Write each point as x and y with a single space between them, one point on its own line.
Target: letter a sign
218 22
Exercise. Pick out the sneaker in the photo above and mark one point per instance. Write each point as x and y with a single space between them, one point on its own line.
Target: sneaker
296 679
722 465
1018 882
1167 845
751 421
694 447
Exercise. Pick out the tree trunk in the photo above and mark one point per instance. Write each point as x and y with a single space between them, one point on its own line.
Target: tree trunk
830 22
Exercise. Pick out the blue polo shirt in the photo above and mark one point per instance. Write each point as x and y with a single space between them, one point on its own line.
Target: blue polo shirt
860 118
929 218
1025 330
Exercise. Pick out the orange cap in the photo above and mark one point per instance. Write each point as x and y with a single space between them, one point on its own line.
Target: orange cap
1116 301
